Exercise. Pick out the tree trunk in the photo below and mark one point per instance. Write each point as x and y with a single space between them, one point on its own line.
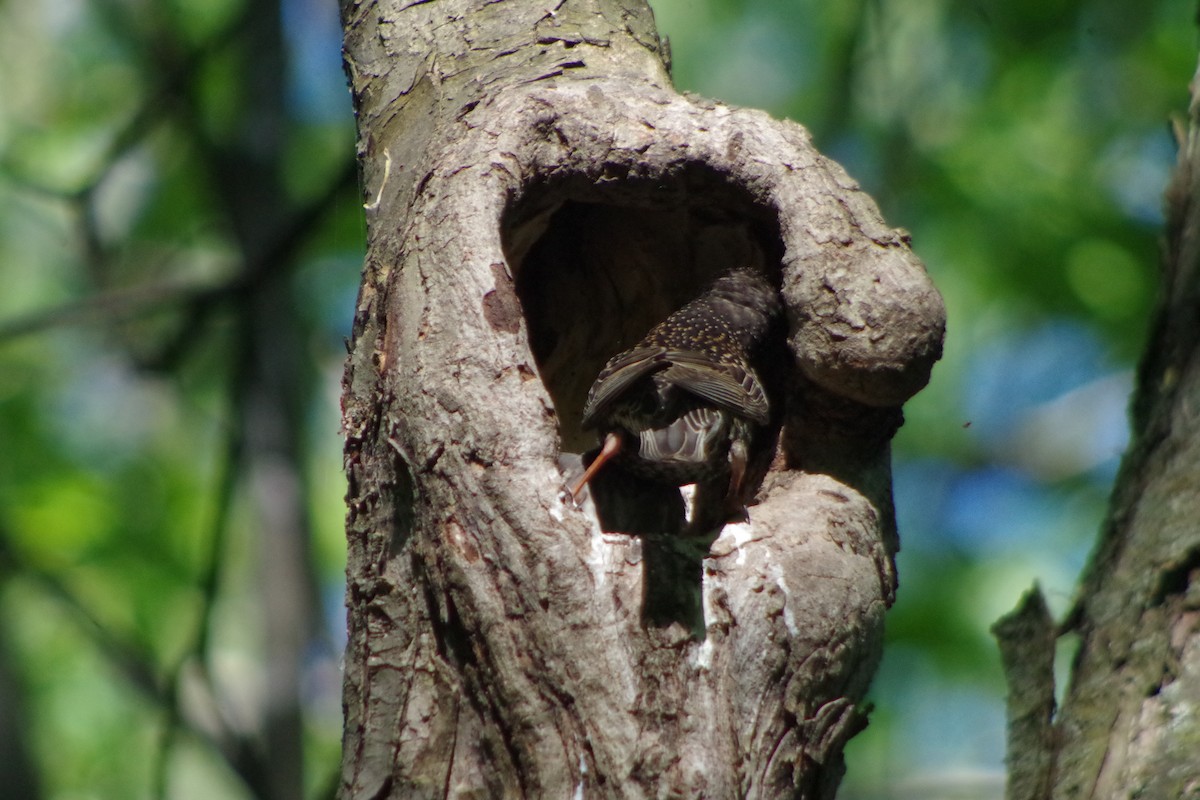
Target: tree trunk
538 197
1130 722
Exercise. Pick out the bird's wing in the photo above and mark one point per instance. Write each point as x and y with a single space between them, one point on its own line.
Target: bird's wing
618 375
730 386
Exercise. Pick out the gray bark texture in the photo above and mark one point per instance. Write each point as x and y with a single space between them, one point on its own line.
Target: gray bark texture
1129 726
537 197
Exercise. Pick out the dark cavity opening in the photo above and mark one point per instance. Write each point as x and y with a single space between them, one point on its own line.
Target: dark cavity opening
599 264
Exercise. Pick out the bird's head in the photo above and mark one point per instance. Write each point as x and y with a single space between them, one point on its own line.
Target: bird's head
747 301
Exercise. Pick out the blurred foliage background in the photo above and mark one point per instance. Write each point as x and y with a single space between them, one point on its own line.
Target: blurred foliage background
180 241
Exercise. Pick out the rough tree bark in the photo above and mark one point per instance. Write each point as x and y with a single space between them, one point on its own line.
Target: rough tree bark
537 197
1130 722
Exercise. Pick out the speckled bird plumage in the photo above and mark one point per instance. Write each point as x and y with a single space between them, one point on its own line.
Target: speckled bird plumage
685 400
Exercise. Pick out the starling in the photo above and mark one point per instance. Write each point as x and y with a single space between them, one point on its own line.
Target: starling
683 405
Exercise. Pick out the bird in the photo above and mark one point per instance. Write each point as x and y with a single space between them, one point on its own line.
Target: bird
684 405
